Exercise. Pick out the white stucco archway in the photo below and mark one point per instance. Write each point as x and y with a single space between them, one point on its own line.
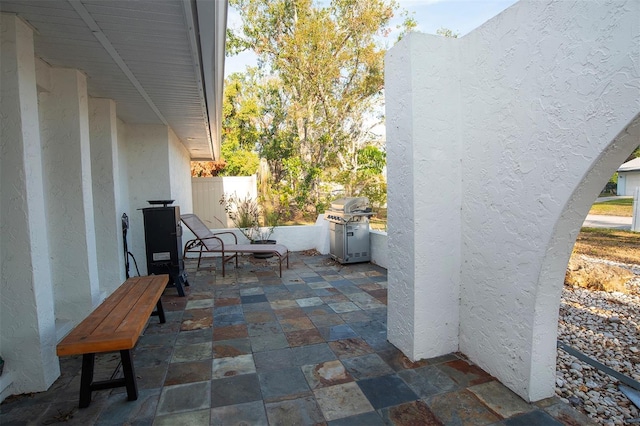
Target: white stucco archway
564 237
497 144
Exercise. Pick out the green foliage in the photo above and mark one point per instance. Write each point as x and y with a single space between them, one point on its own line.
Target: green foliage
325 67
409 23
245 213
376 190
240 162
371 160
240 132
634 154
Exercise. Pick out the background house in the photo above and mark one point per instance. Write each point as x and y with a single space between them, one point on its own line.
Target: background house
628 177
103 105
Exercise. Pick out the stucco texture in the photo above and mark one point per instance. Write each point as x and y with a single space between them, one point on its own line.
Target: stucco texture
543 108
26 296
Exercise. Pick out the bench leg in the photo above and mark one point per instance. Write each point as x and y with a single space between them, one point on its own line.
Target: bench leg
159 312
87 385
86 378
177 280
129 375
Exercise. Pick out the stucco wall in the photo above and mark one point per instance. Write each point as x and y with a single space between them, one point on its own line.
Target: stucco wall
56 152
547 90
180 177
106 186
424 190
307 237
66 163
379 249
27 322
122 170
548 95
148 174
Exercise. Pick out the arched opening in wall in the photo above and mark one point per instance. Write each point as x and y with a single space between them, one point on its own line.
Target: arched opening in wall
599 313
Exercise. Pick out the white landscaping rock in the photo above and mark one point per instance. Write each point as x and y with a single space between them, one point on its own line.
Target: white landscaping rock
603 326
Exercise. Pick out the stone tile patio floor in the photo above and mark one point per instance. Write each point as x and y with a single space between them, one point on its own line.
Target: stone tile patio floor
309 348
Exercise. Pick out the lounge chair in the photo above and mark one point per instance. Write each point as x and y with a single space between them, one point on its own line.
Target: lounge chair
209 242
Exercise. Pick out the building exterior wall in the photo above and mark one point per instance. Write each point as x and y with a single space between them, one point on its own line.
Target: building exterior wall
631 181
66 163
68 170
148 174
122 170
103 129
27 321
544 116
180 177
423 151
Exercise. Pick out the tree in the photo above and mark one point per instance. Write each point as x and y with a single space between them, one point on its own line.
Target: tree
240 132
634 154
327 68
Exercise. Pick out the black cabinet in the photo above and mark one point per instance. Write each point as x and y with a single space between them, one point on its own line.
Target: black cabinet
163 241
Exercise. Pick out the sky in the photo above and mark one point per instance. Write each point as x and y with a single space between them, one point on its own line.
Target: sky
460 16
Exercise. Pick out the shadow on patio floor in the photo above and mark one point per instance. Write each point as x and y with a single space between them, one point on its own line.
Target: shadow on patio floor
306 349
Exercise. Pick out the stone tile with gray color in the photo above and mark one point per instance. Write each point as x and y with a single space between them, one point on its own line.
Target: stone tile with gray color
308 348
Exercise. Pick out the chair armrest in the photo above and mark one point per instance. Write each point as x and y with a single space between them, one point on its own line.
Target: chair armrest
235 238
190 245
200 242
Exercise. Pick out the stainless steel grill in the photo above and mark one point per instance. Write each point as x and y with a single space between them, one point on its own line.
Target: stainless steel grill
349 229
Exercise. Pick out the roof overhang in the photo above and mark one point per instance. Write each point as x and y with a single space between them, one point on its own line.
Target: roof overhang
162 61
630 166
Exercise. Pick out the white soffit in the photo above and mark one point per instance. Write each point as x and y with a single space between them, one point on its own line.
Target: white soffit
144 54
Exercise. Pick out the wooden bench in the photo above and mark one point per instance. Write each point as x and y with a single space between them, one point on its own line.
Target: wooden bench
115 325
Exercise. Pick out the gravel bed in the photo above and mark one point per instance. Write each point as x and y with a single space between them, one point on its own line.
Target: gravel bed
606 327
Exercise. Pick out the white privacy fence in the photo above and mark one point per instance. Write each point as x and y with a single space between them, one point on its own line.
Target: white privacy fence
207 192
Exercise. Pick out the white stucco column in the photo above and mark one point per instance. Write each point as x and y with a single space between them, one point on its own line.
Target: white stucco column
64 123
180 173
103 130
538 122
27 323
423 158
149 179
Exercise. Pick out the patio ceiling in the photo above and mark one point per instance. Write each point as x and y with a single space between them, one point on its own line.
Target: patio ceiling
162 61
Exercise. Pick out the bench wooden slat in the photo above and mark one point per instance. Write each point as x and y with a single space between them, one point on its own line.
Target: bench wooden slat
118 322
130 311
91 323
138 315
118 311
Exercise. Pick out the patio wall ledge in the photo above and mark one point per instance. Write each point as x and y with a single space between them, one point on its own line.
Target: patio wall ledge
309 237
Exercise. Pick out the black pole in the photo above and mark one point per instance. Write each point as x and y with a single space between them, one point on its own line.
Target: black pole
125 226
